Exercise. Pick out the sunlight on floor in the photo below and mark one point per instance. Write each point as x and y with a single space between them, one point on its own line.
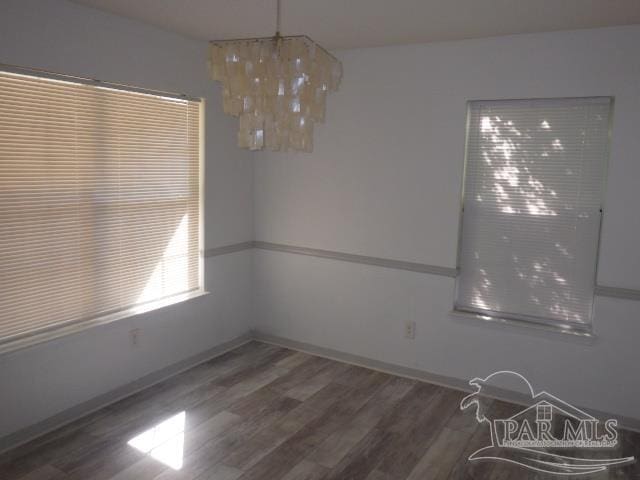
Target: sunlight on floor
164 442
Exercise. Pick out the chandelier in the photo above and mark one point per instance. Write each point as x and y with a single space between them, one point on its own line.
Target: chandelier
277 86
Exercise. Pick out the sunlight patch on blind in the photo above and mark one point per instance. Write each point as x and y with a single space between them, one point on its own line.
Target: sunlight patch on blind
533 191
100 198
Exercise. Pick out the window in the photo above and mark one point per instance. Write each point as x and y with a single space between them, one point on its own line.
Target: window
532 208
99 202
544 412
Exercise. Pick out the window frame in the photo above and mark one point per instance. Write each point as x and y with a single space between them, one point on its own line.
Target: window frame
519 320
58 331
544 413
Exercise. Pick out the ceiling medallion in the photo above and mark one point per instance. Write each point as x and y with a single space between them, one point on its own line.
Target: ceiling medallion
277 86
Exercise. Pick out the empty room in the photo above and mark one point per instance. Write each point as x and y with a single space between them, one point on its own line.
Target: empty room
319 239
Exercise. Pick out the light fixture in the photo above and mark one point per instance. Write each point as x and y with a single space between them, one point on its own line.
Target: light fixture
277 86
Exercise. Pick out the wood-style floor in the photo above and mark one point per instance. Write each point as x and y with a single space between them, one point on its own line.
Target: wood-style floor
265 412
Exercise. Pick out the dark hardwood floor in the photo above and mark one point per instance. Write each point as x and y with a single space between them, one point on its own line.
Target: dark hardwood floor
265 412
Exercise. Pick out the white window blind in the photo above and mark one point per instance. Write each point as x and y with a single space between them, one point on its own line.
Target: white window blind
99 201
533 192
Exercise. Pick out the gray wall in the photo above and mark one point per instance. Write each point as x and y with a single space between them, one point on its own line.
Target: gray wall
62 37
384 180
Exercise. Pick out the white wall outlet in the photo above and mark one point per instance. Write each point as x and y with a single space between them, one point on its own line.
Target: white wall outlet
134 337
409 329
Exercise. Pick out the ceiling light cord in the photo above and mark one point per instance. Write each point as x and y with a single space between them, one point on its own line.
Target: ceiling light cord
278 18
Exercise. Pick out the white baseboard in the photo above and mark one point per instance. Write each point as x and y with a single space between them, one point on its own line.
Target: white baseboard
65 417
74 413
626 423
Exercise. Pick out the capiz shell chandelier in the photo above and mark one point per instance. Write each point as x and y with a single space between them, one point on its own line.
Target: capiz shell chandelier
277 86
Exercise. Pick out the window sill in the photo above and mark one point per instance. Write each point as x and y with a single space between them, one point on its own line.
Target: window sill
31 340
522 326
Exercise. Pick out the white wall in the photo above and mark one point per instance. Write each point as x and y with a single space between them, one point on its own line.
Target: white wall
62 37
384 180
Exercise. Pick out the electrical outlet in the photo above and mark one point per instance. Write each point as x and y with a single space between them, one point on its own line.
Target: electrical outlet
134 337
410 329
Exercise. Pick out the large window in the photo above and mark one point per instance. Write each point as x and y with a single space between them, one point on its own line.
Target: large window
532 209
99 202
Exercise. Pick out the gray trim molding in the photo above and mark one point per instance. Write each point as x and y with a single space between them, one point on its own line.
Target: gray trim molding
363 259
600 290
617 292
235 247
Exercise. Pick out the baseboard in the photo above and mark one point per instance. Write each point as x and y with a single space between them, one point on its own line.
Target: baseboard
626 423
65 417
27 434
365 362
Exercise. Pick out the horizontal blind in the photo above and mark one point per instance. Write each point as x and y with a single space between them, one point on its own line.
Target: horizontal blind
533 192
99 197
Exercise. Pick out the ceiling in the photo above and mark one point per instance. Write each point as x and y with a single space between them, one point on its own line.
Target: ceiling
365 23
